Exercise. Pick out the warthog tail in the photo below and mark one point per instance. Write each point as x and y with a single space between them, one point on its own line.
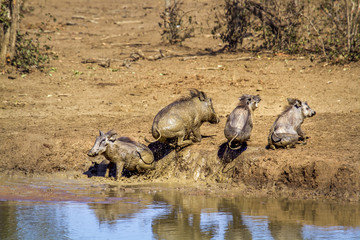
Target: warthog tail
148 141
139 154
229 143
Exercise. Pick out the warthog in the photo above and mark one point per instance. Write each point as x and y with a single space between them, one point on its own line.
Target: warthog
239 123
177 121
286 130
123 152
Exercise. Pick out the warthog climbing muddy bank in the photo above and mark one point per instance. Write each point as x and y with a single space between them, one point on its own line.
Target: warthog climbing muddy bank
123 152
239 124
175 123
286 131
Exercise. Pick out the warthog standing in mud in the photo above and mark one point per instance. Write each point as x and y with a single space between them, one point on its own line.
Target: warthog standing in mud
123 152
177 121
286 131
239 123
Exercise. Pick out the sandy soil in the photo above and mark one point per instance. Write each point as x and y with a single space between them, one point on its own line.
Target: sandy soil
48 121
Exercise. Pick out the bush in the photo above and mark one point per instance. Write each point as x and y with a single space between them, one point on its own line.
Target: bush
176 24
16 48
232 25
341 29
28 54
328 27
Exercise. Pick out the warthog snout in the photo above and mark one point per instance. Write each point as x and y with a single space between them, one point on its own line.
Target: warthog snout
91 154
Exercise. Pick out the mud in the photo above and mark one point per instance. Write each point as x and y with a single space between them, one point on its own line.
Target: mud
48 120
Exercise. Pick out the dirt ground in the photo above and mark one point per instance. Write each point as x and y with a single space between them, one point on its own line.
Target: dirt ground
49 120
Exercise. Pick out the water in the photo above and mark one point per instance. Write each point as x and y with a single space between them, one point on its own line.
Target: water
111 212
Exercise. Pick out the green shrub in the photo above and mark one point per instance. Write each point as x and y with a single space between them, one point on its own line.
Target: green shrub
28 54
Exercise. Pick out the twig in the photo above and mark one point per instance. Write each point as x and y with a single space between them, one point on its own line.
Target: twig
95 60
188 58
128 22
130 44
317 32
211 68
111 36
100 61
238 59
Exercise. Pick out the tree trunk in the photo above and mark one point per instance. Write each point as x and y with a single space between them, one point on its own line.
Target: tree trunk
8 32
15 20
4 39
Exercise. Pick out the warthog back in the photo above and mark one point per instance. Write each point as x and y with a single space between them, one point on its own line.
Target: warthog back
286 130
239 124
177 121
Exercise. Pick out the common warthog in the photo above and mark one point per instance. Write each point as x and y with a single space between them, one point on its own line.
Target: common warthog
286 130
239 124
123 152
176 122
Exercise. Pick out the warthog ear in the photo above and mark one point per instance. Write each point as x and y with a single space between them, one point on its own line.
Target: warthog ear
112 138
295 102
292 101
194 92
111 135
245 97
202 96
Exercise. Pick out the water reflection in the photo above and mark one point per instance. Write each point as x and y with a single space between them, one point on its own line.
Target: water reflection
164 214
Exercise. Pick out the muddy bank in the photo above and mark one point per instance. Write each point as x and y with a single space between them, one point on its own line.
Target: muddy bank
308 171
250 170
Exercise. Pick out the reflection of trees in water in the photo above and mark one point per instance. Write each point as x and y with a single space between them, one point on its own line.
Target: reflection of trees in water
279 229
236 229
184 218
32 221
319 213
184 221
8 221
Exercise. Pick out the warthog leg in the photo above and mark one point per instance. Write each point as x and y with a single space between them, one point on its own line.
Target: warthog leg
284 139
119 169
181 143
197 135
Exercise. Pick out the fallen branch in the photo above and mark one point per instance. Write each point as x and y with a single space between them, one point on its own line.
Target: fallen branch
103 62
129 44
220 67
188 58
238 59
128 22
64 95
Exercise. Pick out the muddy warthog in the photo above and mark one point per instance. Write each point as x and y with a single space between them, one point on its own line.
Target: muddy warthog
239 123
123 152
176 122
286 130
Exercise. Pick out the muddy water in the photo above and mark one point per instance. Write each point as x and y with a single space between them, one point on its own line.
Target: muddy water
40 208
